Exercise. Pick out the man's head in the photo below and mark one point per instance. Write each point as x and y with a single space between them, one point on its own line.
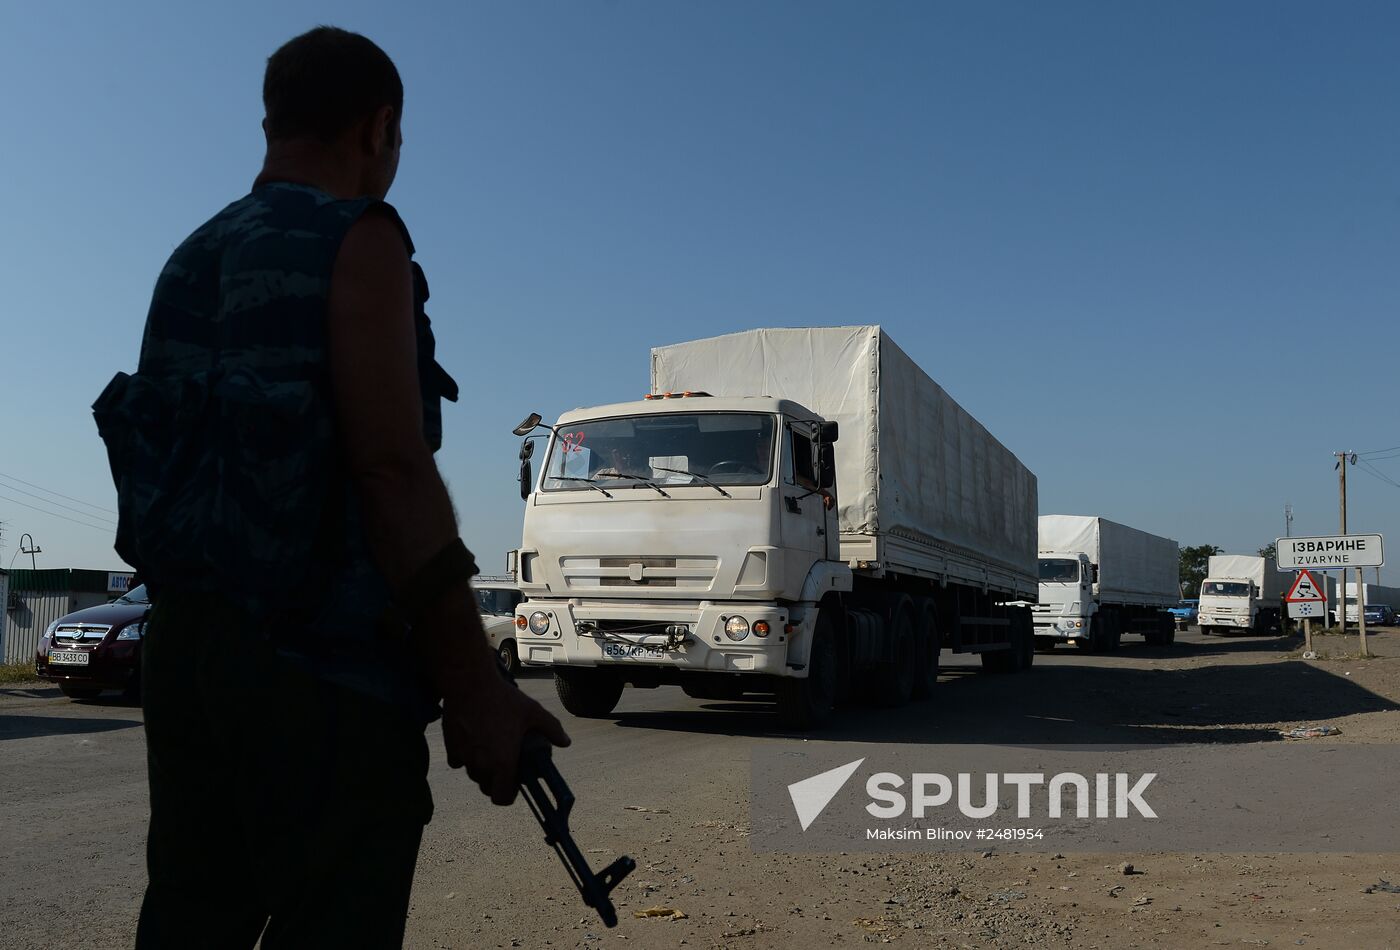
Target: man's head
334 90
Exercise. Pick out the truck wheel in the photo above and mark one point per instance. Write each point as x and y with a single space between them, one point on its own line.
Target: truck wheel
927 656
510 659
1026 640
807 703
893 683
588 694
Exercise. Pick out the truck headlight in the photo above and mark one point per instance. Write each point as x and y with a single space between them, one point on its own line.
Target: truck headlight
736 628
539 623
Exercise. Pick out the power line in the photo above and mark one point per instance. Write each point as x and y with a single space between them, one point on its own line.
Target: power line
1377 473
50 491
103 528
56 504
1393 448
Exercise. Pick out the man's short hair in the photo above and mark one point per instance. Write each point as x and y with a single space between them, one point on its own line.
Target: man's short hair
325 80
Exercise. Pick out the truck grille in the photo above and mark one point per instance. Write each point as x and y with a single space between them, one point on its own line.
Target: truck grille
592 573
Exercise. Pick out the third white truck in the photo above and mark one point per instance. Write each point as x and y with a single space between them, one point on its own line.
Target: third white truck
1242 592
1100 579
799 513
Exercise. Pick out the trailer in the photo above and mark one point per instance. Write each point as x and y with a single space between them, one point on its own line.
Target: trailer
792 513
1100 579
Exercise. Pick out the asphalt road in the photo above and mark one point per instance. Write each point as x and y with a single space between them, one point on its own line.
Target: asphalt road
665 778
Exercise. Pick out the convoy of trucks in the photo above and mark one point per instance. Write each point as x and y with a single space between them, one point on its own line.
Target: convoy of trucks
803 514
1242 592
1372 595
1100 579
799 513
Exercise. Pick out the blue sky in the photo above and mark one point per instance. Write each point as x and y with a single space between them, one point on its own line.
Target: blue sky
1152 246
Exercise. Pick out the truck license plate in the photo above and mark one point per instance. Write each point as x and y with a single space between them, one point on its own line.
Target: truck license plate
620 652
69 657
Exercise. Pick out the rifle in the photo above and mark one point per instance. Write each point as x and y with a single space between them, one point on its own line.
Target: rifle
550 800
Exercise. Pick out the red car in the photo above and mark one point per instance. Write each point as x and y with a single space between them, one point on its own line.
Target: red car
99 648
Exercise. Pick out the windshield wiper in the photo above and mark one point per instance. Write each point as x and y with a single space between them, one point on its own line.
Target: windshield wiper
695 475
587 481
641 479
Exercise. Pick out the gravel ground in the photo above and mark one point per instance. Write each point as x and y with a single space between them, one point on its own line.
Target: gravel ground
666 780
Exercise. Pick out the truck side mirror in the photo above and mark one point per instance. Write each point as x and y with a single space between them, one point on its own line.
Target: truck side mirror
527 474
826 465
828 432
530 423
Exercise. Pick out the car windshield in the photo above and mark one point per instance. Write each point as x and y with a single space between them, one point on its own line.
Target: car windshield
497 600
1056 570
722 448
1224 589
137 595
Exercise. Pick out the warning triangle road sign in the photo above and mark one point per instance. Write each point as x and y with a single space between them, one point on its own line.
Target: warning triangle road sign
1305 590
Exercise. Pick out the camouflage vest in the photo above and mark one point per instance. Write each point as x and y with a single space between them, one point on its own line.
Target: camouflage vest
223 444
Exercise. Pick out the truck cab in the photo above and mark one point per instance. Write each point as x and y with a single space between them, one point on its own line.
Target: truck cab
1066 608
680 533
1228 603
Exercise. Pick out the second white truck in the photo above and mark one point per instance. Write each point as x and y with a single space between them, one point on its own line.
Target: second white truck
799 513
1242 592
1100 579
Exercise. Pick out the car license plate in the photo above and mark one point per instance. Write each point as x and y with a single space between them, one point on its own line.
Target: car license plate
620 652
70 657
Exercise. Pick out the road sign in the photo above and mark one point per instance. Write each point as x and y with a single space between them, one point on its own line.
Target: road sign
1305 590
1331 553
1306 610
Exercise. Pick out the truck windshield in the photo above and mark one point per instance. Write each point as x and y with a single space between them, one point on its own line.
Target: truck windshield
722 448
1054 570
1224 589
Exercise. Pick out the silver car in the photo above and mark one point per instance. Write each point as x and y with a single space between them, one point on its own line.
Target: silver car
496 599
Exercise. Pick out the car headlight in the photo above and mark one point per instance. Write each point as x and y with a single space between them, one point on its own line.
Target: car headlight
132 631
48 634
736 628
539 623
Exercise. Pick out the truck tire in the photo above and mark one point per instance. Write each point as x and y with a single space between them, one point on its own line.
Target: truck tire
892 684
588 694
1020 655
808 703
927 656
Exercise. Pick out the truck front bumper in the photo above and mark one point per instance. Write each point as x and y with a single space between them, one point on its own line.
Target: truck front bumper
1225 620
631 635
1060 628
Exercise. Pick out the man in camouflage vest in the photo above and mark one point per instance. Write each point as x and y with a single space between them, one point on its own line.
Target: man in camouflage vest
274 462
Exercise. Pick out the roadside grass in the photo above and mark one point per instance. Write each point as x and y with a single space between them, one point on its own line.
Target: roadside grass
16 673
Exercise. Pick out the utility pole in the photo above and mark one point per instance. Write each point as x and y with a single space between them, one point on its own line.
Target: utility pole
1288 521
1342 494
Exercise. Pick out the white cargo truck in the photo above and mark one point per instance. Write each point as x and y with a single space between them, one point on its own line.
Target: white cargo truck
1242 592
1372 595
1100 579
799 512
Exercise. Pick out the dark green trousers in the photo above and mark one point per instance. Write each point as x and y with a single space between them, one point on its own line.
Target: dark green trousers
281 805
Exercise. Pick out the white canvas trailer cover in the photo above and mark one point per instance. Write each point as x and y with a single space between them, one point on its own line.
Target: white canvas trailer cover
924 488
1134 567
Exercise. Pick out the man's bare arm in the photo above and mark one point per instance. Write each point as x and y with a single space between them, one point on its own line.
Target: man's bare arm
407 512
